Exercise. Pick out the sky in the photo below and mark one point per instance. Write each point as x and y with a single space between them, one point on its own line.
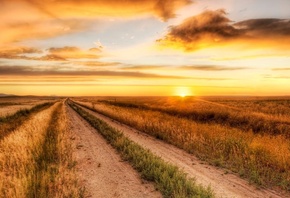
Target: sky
145 47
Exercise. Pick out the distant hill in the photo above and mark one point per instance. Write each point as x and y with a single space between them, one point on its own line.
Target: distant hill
6 95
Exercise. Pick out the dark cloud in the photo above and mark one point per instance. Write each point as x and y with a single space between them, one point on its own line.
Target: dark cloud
210 68
213 28
264 27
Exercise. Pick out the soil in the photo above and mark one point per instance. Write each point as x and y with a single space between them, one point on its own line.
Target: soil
100 169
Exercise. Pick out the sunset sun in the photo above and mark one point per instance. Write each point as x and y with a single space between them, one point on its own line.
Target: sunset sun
183 91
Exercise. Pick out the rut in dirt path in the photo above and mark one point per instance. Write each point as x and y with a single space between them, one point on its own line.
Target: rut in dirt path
224 185
100 168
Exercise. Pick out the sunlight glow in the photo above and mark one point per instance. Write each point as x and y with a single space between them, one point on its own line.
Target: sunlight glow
183 91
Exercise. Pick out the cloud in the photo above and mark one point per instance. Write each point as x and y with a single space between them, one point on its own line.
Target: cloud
264 27
213 28
69 52
41 71
53 54
18 52
143 67
281 69
210 68
50 18
277 77
97 63
163 9
13 31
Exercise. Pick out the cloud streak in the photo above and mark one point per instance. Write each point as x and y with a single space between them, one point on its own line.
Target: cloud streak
54 54
40 71
210 68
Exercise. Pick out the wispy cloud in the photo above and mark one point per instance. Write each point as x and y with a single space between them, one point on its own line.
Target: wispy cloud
277 77
71 52
210 68
281 69
97 63
53 54
143 67
42 71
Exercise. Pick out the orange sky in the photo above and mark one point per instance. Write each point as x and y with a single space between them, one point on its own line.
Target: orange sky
145 47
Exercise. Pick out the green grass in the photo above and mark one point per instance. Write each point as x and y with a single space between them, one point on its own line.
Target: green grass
10 123
168 179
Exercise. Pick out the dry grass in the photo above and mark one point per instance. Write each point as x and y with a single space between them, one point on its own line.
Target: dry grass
20 153
10 123
220 113
168 179
261 158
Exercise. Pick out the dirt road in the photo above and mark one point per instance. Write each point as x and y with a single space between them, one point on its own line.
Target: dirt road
224 185
100 168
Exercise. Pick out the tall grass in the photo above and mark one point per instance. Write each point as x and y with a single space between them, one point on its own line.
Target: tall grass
10 123
262 159
209 112
169 180
24 168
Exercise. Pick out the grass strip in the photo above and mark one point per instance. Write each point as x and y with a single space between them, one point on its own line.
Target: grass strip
49 155
51 163
12 122
168 179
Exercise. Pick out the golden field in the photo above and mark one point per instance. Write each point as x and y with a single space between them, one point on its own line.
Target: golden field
250 139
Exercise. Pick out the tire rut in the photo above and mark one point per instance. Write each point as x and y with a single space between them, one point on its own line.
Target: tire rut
100 168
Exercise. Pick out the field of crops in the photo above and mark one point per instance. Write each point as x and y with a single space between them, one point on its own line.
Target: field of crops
35 154
248 136
47 144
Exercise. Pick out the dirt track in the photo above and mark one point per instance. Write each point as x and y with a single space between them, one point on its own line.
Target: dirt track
100 168
224 185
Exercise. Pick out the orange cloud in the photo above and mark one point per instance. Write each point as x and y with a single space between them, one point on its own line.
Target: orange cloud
18 52
213 28
210 68
163 9
74 53
54 54
34 19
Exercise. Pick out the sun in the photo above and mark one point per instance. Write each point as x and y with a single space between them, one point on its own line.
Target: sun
183 91
182 95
